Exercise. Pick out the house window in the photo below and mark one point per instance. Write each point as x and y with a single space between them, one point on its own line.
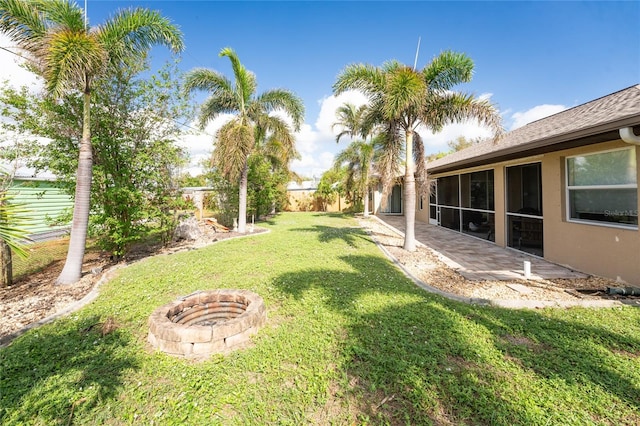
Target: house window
602 188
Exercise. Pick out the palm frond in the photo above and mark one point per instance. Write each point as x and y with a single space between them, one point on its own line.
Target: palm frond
404 90
283 100
234 143
422 180
69 58
62 13
246 84
366 78
447 70
23 22
453 107
12 225
389 157
213 106
205 79
134 31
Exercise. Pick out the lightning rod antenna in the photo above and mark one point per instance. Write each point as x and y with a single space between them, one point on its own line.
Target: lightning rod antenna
415 62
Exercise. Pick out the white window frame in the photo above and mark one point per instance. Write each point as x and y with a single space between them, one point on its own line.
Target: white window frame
604 187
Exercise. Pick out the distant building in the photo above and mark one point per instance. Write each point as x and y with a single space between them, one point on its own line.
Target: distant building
45 202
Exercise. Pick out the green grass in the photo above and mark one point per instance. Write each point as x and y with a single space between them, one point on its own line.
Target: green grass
349 340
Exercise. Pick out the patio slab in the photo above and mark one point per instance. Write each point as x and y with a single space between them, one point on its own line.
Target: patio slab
479 260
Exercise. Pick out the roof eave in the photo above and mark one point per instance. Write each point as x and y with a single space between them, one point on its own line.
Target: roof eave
584 134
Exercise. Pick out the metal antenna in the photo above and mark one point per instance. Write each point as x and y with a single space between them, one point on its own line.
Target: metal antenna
415 62
85 14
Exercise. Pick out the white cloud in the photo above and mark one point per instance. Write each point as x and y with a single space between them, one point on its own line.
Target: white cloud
199 144
328 107
12 70
438 142
535 113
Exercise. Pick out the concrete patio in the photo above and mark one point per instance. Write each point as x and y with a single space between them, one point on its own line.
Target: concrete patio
477 259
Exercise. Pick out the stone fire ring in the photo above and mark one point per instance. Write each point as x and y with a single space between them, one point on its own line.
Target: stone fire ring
207 322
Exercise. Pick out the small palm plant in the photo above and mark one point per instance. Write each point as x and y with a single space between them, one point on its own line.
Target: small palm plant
13 235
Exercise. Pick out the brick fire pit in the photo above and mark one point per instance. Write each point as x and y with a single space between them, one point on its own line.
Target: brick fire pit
207 322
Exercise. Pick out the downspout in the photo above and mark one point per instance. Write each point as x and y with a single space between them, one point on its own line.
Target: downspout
627 135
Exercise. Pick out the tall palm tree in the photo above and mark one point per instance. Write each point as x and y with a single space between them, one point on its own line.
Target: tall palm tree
252 122
358 156
70 56
404 98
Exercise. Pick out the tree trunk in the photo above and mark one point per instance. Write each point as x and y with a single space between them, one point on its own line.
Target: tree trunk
72 271
6 265
409 196
366 202
242 198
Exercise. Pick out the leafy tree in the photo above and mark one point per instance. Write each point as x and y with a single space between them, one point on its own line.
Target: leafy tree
329 188
71 56
460 143
267 188
402 98
252 125
135 157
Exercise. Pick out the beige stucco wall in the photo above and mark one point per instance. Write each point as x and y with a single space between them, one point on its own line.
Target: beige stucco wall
594 249
600 250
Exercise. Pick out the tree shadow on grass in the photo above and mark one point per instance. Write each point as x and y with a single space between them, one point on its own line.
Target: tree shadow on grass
349 235
415 358
58 371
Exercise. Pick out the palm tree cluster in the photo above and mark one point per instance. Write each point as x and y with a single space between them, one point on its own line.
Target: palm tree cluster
73 56
401 100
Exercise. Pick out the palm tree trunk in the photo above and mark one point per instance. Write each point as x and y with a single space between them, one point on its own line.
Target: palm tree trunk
72 271
242 197
409 196
366 202
6 269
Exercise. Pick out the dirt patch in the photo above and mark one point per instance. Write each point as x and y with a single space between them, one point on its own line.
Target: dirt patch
36 296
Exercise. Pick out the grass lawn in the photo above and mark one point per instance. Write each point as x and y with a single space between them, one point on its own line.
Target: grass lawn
348 340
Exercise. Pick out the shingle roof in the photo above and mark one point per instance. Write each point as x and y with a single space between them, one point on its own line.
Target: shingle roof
619 109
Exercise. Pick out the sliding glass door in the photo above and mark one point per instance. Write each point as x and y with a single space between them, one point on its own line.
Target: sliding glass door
524 208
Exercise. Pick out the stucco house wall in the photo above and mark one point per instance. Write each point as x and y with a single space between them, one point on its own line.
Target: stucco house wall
593 246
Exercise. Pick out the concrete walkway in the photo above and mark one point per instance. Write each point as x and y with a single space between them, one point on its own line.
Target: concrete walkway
477 259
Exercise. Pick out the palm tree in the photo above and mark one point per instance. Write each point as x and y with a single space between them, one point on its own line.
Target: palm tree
70 55
404 98
358 156
350 120
252 122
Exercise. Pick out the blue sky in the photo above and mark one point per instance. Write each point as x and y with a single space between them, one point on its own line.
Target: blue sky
532 58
